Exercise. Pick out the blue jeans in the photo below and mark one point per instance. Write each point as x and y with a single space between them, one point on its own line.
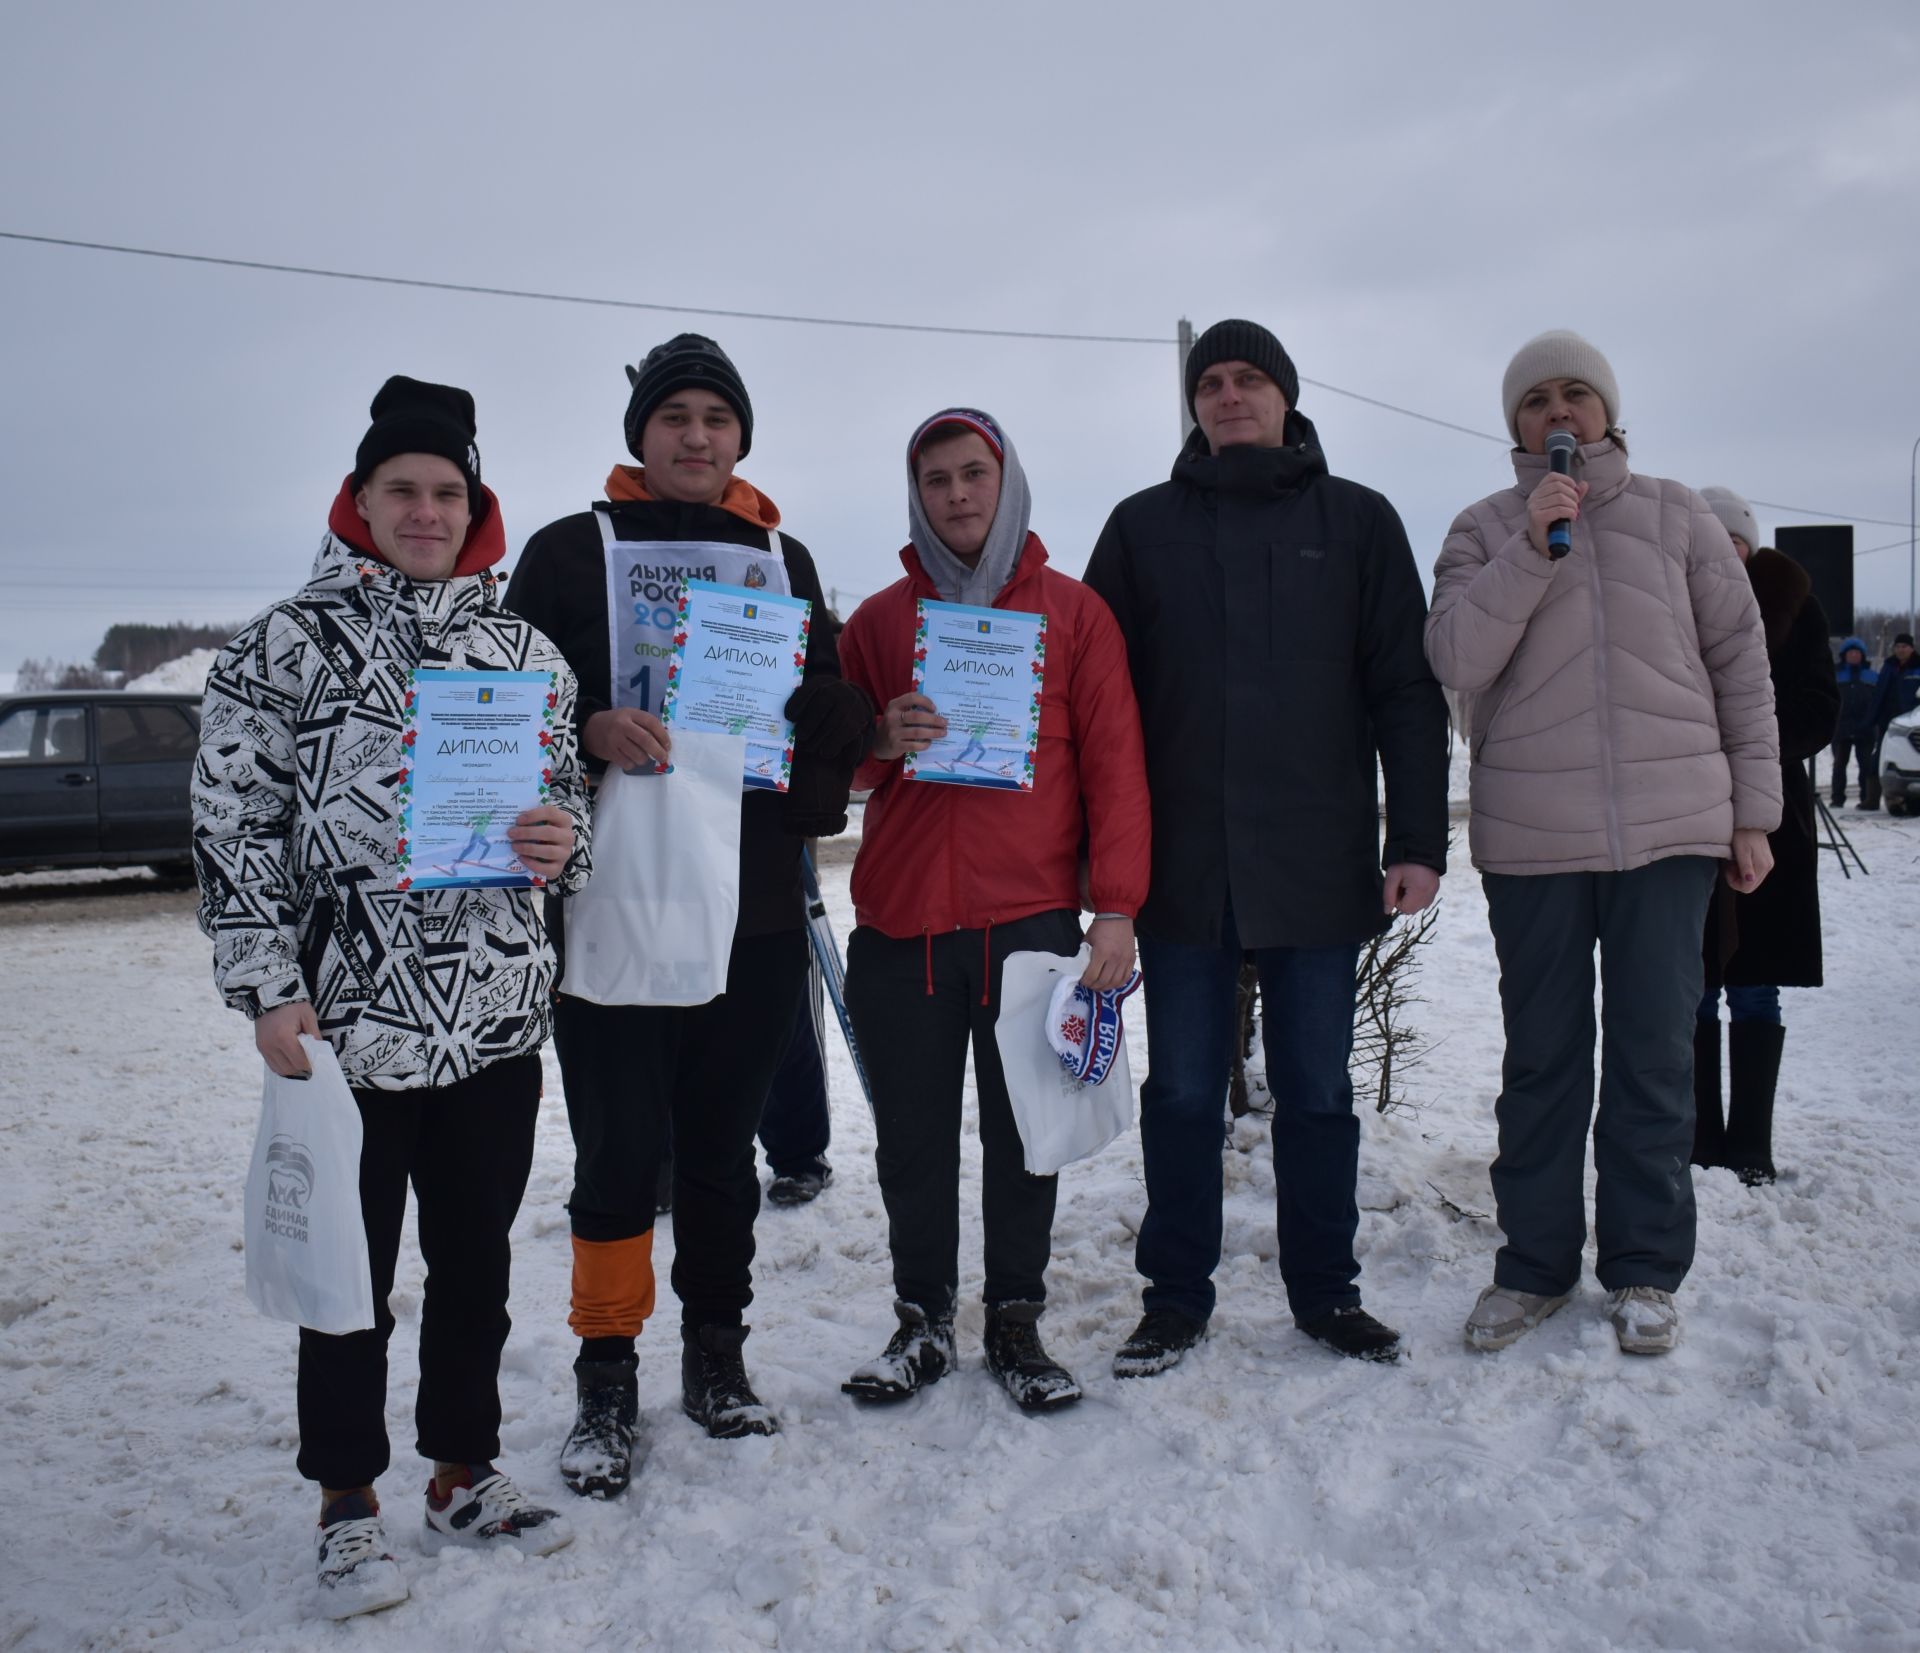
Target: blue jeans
1744 1004
1306 995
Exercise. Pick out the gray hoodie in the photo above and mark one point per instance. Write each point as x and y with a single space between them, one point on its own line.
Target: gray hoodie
980 584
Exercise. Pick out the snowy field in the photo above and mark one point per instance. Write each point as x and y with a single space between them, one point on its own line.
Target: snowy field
1759 1489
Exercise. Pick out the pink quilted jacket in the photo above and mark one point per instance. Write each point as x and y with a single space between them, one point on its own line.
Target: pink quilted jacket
1618 700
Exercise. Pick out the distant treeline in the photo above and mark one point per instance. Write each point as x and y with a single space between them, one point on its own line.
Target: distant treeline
127 650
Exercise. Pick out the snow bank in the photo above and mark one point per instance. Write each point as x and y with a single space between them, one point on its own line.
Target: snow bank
1759 1489
187 674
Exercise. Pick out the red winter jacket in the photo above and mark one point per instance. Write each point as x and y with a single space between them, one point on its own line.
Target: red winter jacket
935 857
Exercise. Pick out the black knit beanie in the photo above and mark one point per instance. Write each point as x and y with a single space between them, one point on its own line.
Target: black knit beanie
1243 341
687 359
410 416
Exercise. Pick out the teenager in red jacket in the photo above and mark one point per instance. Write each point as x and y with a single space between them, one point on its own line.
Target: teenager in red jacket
951 879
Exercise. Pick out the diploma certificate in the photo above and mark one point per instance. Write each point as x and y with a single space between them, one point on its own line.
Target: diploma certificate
983 669
479 749
738 655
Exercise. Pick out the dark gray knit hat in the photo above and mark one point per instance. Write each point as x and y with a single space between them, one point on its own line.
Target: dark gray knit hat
1243 341
413 416
686 359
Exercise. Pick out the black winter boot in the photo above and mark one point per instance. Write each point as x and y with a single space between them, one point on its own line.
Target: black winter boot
714 1387
597 1461
1017 1358
919 1353
1753 1071
1709 1129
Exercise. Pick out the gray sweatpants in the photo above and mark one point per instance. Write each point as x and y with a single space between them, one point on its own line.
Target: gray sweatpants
1647 924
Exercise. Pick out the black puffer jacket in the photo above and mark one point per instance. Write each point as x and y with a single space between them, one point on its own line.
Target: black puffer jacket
560 584
1273 618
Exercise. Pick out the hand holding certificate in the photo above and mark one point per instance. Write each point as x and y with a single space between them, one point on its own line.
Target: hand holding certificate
984 670
738 656
479 748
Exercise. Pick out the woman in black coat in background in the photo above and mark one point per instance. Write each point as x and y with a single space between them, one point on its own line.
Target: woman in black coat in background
1757 944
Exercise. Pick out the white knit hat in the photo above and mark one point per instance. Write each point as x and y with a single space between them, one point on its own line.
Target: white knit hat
1735 514
1556 355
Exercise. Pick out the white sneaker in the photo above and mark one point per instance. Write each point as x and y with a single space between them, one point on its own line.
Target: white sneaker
494 1514
1502 1315
1644 1318
357 1571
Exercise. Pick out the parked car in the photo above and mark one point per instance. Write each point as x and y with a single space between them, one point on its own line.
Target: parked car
97 778
1900 764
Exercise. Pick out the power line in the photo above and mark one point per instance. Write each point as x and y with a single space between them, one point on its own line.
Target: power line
694 310
543 297
577 298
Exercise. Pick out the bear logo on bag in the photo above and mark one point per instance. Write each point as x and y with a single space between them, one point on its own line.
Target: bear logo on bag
289 1173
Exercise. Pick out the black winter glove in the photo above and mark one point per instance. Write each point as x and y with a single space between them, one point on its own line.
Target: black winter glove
832 720
816 801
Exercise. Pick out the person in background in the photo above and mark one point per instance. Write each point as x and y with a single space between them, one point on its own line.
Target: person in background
1855 736
297 841
1624 753
1758 943
1898 693
1272 614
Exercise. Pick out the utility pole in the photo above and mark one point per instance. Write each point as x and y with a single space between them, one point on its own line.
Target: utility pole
1186 350
1913 466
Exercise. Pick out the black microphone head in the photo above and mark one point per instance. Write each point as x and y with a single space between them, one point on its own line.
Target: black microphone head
1561 447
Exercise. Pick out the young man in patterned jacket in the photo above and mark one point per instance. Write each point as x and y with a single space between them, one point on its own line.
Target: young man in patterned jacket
436 1002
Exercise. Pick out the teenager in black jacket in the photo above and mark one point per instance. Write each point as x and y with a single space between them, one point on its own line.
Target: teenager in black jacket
634 1074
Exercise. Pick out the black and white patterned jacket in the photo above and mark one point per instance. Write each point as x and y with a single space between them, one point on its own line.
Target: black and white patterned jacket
296 828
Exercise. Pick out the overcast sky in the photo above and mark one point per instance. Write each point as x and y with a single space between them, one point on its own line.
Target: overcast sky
1725 199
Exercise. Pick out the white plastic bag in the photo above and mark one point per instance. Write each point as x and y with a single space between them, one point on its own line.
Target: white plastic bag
1060 1119
306 1239
654 924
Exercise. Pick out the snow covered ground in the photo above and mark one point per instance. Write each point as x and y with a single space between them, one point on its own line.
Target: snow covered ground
1759 1489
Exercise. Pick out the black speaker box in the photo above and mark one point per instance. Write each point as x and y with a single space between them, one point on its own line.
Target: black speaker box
1826 553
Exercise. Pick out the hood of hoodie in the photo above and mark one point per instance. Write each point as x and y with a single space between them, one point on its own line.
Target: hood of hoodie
742 498
1259 472
1006 539
1842 664
485 544
431 615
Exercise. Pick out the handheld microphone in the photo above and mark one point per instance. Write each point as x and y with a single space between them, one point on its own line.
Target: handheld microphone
1560 449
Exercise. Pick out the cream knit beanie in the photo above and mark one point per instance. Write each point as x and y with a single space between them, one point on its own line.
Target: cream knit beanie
1735 514
1557 355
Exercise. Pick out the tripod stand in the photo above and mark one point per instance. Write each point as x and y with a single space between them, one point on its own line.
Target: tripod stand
1836 838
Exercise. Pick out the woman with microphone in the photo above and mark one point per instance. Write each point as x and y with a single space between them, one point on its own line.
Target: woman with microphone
1624 753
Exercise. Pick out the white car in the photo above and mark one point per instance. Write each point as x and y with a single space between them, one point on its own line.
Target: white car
1900 764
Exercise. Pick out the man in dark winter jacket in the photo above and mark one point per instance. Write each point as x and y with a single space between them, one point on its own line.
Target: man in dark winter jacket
634 1073
1899 689
1273 619
1854 735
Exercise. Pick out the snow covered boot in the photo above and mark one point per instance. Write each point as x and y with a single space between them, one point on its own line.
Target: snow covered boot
1709 1129
920 1352
1349 1330
597 1461
1017 1358
1753 1072
1159 1343
714 1387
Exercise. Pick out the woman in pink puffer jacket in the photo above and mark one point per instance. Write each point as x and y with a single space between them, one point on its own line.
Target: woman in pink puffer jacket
1624 749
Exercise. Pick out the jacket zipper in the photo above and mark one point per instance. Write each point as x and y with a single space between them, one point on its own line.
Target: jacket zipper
1604 709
